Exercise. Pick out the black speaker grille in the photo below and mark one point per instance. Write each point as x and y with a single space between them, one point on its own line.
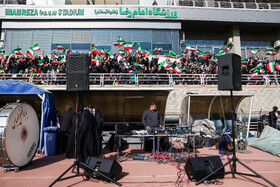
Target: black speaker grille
229 72
77 72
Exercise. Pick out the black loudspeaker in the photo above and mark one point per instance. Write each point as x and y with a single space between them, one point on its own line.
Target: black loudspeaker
108 167
200 167
229 72
77 77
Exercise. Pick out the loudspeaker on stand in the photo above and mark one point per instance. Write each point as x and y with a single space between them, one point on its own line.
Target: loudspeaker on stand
229 72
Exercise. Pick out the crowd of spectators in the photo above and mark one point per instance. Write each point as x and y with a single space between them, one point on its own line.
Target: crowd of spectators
123 63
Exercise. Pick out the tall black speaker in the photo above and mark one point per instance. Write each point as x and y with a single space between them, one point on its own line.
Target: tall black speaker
77 77
108 167
200 167
229 72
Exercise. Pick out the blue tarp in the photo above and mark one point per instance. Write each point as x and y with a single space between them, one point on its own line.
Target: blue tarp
15 87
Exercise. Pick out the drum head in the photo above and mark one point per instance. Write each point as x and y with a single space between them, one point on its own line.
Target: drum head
22 135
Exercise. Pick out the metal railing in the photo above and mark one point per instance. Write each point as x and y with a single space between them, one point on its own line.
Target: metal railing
140 79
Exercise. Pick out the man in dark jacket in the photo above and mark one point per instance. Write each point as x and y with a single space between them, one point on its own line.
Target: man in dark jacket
151 118
66 119
273 116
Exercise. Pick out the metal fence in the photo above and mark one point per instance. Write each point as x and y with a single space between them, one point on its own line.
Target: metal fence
103 79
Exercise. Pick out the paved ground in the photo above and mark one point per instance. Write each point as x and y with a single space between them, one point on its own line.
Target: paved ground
44 170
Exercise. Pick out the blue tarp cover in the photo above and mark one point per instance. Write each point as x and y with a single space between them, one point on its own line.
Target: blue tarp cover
16 87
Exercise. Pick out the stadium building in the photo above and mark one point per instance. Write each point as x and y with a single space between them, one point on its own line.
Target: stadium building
171 25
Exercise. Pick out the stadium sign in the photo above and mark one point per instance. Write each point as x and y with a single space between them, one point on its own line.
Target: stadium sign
138 11
131 12
37 12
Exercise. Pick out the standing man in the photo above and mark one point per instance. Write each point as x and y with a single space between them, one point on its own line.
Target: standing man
66 119
151 118
273 116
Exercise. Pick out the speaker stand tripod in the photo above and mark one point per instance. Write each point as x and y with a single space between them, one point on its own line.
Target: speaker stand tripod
77 163
234 159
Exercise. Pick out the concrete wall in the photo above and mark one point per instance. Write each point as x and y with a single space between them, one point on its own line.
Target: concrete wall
264 97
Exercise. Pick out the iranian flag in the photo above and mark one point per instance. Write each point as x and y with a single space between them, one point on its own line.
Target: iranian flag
181 57
193 49
55 51
108 52
134 43
2 51
40 63
164 64
59 61
146 53
119 42
128 45
98 60
11 56
196 51
17 51
30 52
190 48
177 69
215 60
67 51
255 51
59 47
270 67
93 50
63 60
169 69
139 50
221 52
35 47
102 52
204 55
255 75
243 66
31 70
259 66
244 62
271 52
157 50
138 65
226 47
2 71
198 64
277 66
122 51
171 54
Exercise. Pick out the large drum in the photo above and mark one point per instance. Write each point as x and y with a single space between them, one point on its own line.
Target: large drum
19 134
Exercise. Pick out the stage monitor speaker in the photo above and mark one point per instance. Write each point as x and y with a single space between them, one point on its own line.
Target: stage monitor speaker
229 72
200 167
108 167
77 76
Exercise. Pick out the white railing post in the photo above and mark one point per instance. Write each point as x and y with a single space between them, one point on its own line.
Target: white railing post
170 79
266 80
30 80
102 80
202 81
136 80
